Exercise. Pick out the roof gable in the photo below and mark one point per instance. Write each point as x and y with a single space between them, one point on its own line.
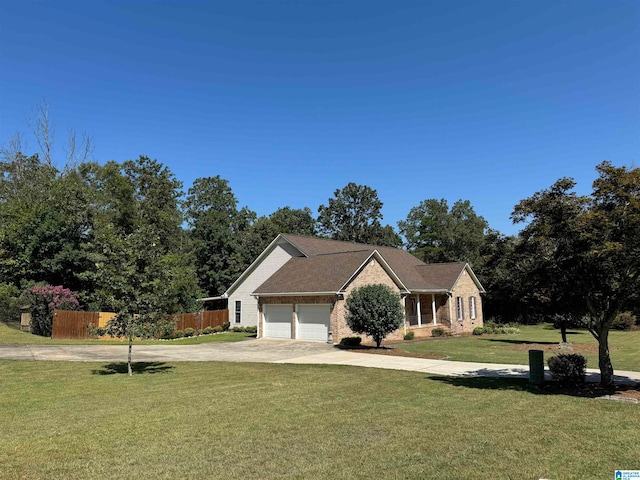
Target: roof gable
320 265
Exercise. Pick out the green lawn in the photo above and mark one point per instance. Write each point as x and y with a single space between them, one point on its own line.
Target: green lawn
13 336
624 347
73 420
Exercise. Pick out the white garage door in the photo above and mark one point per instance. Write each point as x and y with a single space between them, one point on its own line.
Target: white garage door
313 322
277 321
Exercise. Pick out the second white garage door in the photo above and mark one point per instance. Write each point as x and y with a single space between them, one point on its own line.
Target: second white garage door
277 321
313 322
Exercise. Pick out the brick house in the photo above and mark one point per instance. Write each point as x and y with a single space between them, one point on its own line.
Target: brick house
297 288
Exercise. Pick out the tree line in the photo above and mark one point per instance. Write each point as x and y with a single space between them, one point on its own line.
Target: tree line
127 237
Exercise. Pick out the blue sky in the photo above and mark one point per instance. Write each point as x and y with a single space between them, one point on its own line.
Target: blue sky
289 100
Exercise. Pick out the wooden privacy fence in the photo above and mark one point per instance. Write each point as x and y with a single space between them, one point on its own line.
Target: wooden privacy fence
212 318
73 324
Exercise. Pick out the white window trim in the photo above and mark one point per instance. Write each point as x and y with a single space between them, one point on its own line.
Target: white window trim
459 309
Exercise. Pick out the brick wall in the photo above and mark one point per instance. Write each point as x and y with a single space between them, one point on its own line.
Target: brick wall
465 288
370 274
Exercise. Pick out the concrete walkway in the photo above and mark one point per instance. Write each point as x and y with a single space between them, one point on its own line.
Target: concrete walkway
276 351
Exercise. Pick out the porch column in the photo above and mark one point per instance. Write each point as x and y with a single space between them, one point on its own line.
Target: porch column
418 311
404 312
433 308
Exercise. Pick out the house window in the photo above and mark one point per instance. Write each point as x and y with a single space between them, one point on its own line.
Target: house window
238 311
472 307
460 308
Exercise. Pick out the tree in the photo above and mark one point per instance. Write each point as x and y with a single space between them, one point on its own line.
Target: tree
43 300
44 221
145 285
217 229
436 234
354 216
585 251
374 310
295 221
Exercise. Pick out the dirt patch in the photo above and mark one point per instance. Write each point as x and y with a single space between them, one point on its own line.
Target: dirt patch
594 390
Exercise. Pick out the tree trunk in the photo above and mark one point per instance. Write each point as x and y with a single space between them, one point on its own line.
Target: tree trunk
129 370
563 332
604 359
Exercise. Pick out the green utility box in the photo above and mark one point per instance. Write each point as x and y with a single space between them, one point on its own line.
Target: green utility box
536 367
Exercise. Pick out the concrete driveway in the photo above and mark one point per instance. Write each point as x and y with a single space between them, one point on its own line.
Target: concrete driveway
260 350
275 351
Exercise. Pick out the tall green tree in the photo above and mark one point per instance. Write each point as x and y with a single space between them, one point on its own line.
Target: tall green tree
217 229
354 215
44 224
585 251
297 221
435 233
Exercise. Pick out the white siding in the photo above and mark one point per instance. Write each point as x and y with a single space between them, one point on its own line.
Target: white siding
260 273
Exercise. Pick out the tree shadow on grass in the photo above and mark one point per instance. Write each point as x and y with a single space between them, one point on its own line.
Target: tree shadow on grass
520 342
137 368
590 389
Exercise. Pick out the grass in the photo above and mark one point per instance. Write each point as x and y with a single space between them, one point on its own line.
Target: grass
223 420
13 336
624 347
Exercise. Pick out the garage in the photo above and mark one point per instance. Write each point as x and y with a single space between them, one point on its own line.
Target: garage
313 322
277 321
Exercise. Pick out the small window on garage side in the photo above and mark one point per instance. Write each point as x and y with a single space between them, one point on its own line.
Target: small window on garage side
238 311
460 308
472 307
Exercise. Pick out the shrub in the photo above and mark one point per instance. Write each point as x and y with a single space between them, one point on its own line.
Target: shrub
189 332
238 329
438 332
409 335
217 329
178 334
225 326
351 341
624 321
251 329
374 310
209 330
569 369
478 330
498 329
43 301
9 303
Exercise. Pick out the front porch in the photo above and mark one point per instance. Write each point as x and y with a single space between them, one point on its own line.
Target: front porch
427 310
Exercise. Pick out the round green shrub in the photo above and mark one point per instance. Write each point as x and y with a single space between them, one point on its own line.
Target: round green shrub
374 310
217 329
351 341
478 330
178 334
438 332
189 332
409 335
568 369
207 330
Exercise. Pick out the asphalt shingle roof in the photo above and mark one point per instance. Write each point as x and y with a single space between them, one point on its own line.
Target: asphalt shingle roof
329 264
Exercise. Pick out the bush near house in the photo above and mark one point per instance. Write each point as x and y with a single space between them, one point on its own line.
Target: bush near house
374 310
351 341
